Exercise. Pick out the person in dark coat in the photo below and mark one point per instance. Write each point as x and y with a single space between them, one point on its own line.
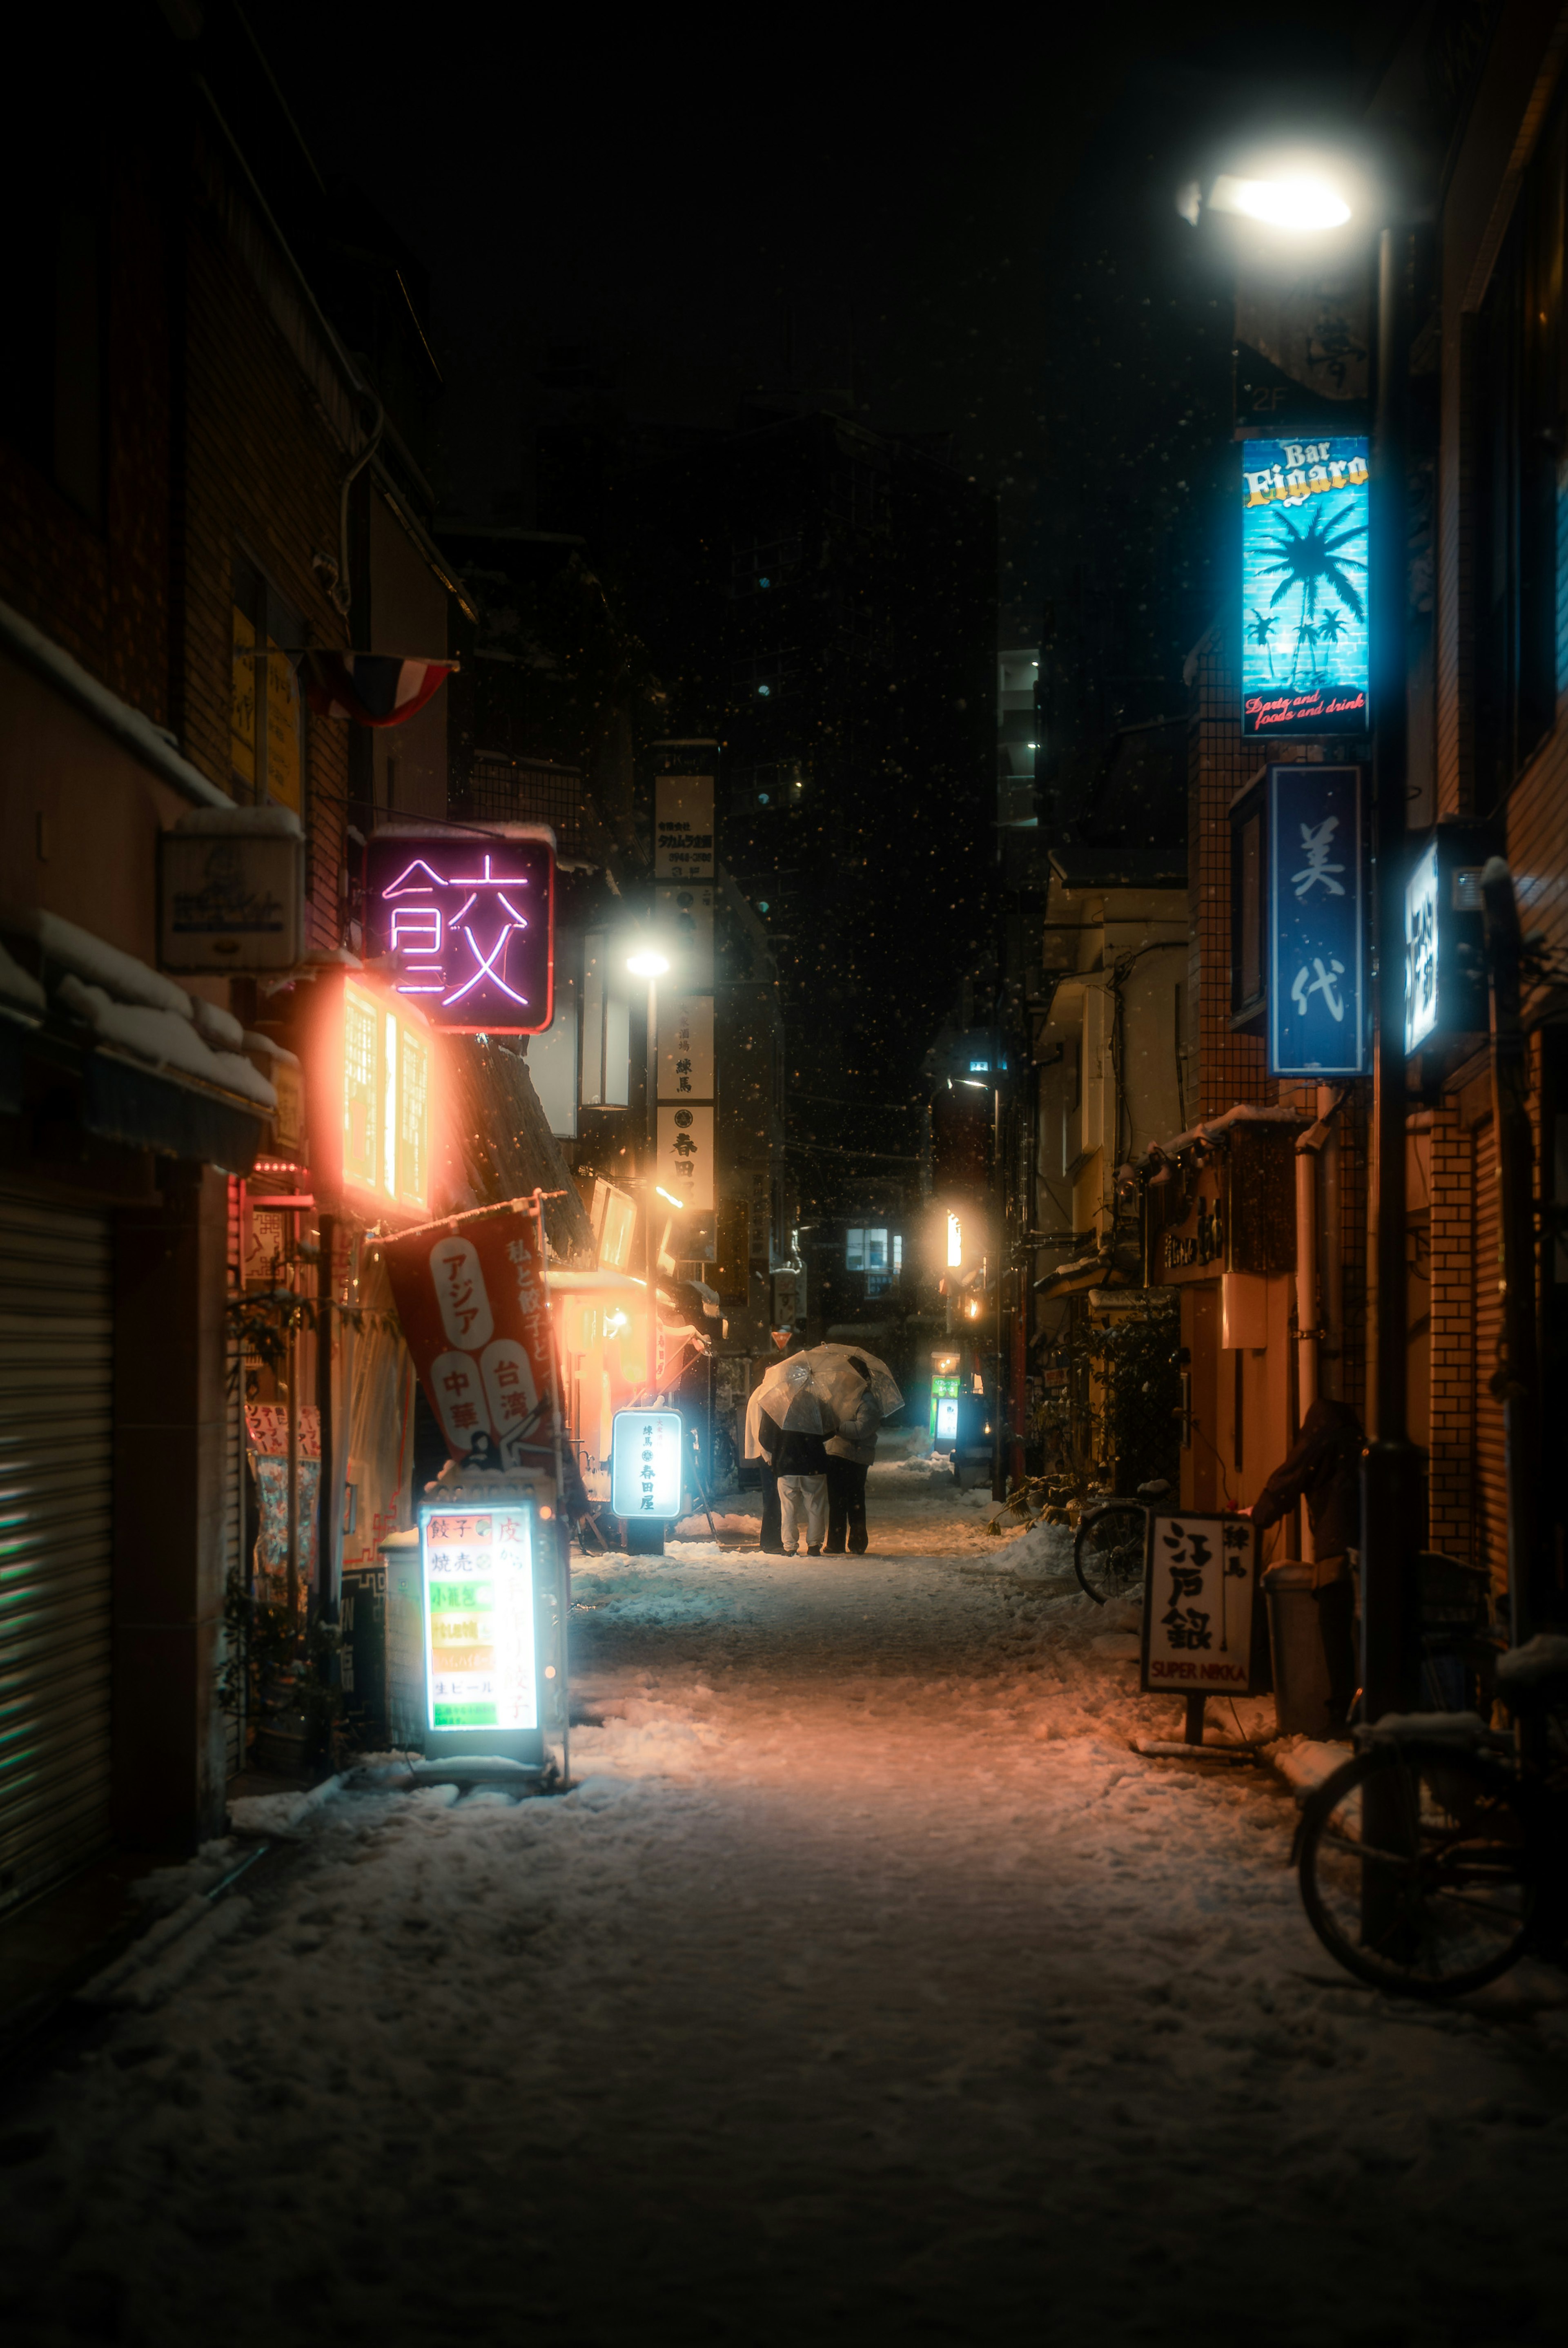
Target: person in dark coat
1323 1468
771 1540
849 1457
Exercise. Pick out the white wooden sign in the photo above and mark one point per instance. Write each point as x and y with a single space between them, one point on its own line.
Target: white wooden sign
686 1154
1199 1580
683 827
685 1047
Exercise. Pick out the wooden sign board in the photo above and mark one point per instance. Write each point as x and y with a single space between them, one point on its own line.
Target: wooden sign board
1201 1610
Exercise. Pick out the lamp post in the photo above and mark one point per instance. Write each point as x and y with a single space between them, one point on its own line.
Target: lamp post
648 962
1300 198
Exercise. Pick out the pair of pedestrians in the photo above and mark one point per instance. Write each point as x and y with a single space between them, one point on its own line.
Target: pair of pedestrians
816 1454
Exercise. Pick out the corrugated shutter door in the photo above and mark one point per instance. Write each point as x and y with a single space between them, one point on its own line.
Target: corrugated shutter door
233 1408
1491 1487
57 1335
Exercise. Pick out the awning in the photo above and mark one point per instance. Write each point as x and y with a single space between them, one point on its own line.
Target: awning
147 1109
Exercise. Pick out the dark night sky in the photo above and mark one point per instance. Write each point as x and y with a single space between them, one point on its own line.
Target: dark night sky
668 196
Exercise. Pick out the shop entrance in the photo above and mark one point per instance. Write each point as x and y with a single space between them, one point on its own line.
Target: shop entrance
56 1327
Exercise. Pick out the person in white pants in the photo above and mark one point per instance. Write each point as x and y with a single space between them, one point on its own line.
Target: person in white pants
793 1445
803 1507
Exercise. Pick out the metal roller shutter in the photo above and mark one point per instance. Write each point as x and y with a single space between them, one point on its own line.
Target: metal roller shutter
57 1332
232 1542
1491 1517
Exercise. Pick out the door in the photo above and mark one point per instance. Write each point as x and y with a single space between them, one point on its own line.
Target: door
55 1466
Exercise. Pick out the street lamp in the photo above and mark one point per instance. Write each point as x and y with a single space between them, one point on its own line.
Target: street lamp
1297 197
646 962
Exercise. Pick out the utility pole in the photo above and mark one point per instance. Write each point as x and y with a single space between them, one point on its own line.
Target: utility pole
1392 1505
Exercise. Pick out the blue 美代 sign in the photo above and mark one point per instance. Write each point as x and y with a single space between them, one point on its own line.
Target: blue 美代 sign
1306 513
1316 922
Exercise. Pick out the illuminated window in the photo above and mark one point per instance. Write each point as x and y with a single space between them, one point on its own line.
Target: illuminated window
389 1106
855 1250
897 1252
413 1118
359 1086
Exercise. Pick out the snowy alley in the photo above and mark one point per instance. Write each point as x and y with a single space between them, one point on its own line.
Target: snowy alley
865 1980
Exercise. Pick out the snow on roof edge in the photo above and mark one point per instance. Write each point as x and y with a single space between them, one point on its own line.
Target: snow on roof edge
95 959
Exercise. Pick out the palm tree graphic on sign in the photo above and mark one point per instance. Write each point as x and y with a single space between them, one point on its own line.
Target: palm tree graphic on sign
1260 627
1311 560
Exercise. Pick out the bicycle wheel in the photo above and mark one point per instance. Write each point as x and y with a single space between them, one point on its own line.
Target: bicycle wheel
1415 1868
1108 1550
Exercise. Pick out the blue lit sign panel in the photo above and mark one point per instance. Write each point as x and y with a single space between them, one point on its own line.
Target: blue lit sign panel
1317 981
1305 513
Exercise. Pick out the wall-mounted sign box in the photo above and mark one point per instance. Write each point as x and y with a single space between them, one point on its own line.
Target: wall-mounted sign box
646 1464
1304 517
1316 914
469 917
232 890
370 1086
1230 1208
1445 962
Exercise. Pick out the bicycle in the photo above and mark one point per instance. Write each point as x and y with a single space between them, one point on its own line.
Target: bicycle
1438 1856
1109 1546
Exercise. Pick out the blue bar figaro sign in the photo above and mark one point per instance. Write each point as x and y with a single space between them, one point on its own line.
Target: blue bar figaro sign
1317 980
1306 513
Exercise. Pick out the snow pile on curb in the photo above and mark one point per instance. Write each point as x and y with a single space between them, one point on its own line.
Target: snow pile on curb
1303 1762
279 1814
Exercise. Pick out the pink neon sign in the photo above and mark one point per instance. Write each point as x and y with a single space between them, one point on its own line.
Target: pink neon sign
470 918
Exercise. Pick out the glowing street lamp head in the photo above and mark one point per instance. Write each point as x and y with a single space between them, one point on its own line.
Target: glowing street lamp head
955 1242
1299 204
647 962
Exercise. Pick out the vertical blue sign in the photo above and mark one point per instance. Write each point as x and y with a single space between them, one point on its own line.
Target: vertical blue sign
1316 977
1306 513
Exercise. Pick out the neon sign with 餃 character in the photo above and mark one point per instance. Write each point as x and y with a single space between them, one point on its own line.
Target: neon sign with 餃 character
469 918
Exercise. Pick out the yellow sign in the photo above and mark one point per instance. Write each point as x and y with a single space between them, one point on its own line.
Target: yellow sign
283 730
242 703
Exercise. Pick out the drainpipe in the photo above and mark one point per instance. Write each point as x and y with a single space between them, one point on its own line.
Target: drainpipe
1310 1147
1331 1356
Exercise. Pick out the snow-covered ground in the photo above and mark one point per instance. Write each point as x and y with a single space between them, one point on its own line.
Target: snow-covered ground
866 1984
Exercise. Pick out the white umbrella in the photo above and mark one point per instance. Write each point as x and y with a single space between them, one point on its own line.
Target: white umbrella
795 1399
844 1385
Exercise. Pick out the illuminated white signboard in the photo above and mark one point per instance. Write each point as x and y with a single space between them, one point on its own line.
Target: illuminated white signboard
1422 950
645 1464
479 1648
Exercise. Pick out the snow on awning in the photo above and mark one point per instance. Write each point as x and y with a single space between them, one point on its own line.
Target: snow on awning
165 1070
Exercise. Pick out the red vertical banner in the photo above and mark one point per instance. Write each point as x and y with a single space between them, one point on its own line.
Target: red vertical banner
474 1301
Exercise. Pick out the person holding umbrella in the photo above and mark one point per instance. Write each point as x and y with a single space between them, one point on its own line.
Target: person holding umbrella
849 1456
792 1423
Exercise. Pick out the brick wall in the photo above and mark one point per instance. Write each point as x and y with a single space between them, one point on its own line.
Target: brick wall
101 588
261 470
